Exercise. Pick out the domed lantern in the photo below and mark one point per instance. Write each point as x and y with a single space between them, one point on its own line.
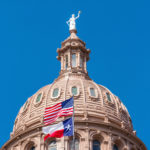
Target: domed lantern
73 55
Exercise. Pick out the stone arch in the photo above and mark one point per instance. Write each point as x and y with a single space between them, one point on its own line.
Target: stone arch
78 135
119 142
101 137
98 137
52 144
50 140
28 144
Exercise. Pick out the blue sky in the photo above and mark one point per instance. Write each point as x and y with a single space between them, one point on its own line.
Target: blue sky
117 32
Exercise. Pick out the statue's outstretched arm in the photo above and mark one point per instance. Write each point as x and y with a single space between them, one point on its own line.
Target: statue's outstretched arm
78 15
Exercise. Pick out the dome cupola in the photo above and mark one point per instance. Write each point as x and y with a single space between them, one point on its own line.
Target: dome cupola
73 55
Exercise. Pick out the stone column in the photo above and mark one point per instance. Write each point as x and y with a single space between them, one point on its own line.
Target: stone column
110 140
63 143
42 143
60 143
66 146
38 145
69 60
42 146
105 145
78 59
19 143
85 140
84 64
90 144
128 146
62 62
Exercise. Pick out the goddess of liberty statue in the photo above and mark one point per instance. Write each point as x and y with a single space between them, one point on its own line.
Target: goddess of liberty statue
71 22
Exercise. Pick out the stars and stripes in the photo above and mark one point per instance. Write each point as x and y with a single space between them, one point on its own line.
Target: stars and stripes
64 108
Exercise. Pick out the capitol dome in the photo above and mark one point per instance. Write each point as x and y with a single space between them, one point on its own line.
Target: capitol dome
101 119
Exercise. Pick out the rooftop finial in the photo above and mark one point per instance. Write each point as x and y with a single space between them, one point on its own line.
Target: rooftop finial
71 22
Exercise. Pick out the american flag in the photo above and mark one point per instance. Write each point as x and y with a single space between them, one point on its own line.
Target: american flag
64 108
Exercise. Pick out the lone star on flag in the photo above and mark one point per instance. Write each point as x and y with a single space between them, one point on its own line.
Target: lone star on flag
64 128
68 127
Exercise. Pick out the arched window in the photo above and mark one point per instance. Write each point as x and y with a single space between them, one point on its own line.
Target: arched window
81 61
92 92
55 92
96 145
108 97
32 148
74 90
73 60
66 66
115 147
71 145
52 145
38 98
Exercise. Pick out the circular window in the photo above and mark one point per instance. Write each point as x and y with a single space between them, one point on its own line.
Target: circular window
74 90
38 98
55 92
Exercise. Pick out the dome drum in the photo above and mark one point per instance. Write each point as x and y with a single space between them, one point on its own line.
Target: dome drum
85 132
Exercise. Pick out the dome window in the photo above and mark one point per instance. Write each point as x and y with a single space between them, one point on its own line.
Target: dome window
115 147
74 90
38 98
73 60
32 148
92 92
52 145
81 61
66 66
96 145
108 97
55 92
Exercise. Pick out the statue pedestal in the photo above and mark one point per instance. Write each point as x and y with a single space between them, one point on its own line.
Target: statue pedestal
73 31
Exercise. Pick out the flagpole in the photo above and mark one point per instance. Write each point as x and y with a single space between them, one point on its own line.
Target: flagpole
73 127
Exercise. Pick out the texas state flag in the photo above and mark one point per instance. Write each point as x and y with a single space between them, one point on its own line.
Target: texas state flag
59 130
